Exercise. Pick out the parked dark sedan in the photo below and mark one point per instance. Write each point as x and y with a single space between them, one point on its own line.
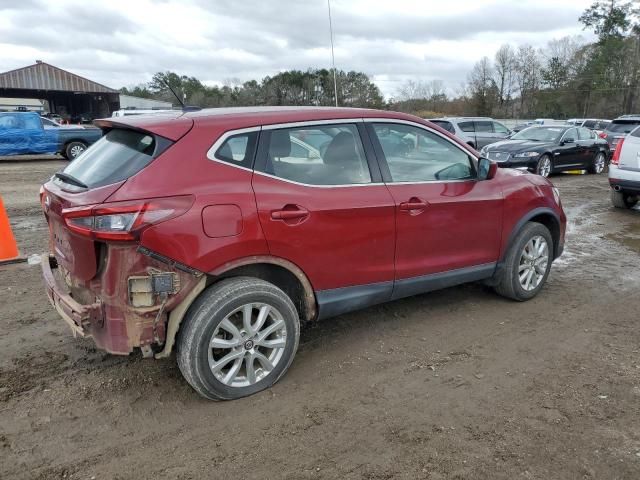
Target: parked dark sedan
548 149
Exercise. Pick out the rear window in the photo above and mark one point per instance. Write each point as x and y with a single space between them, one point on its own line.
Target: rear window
115 157
622 126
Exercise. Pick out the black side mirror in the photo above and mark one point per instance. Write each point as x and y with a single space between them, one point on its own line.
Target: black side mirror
486 169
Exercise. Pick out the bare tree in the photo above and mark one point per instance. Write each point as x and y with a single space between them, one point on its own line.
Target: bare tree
482 87
504 75
528 71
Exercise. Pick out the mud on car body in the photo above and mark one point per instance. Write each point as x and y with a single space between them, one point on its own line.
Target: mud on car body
215 233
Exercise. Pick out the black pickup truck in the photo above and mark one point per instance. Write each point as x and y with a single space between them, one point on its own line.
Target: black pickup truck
24 133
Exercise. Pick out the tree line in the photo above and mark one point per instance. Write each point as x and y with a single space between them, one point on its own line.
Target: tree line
293 87
567 78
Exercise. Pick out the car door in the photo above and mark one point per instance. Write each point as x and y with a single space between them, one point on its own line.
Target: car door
448 224
329 214
38 139
588 147
567 152
484 133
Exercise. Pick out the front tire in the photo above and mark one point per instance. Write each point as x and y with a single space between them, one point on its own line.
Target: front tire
544 166
527 263
598 164
238 338
623 200
74 150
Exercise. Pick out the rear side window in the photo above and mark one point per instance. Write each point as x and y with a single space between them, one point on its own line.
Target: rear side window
466 126
589 123
238 149
484 127
446 125
115 157
316 155
584 134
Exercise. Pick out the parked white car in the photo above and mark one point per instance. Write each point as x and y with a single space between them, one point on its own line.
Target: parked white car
624 171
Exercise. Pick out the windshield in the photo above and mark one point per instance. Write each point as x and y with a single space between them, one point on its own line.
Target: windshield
539 134
115 157
622 126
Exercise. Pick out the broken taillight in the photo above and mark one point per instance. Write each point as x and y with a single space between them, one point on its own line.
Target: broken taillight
124 221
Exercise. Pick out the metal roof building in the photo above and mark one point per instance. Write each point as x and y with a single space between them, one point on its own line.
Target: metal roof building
69 95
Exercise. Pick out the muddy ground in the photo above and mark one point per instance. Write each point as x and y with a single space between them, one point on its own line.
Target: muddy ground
457 384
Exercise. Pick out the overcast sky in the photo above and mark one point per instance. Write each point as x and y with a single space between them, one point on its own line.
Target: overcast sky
123 42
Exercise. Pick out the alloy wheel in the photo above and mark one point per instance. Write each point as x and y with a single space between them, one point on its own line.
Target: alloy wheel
247 345
598 163
534 260
544 169
76 150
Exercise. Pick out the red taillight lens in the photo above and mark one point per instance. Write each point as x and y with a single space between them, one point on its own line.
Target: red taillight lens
615 160
124 221
602 135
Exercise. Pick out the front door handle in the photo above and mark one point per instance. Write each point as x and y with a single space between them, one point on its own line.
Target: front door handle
413 204
290 212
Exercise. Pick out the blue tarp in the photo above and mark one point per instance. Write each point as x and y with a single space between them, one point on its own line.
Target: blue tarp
23 133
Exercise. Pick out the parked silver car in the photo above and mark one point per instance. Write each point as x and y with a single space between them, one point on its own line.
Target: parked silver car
475 131
619 128
624 171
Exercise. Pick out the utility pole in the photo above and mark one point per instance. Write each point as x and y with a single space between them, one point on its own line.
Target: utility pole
333 58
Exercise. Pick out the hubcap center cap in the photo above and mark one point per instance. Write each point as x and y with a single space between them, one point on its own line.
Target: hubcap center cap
248 345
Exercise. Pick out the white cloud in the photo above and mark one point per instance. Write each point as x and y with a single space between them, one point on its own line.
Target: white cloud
124 42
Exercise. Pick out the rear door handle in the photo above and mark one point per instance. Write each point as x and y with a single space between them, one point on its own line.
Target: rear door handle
414 203
290 212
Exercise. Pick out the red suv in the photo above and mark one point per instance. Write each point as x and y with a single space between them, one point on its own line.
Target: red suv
218 231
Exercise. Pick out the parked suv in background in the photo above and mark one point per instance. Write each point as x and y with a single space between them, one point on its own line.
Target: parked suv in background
620 127
475 131
219 231
624 171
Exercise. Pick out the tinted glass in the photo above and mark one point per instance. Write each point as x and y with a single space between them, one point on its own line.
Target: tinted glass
589 123
623 126
540 134
571 134
443 124
466 126
417 155
318 155
238 149
636 133
115 157
484 127
499 128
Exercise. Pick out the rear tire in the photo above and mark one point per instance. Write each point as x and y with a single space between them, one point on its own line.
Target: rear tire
623 200
238 338
74 150
598 164
531 251
545 166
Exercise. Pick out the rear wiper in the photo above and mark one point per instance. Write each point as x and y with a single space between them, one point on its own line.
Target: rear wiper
70 179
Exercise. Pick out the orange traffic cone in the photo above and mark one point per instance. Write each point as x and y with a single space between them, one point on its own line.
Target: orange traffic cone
8 246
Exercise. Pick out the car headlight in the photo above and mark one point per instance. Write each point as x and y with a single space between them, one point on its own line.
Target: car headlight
526 154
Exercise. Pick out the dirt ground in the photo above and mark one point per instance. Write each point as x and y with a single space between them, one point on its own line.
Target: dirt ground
456 384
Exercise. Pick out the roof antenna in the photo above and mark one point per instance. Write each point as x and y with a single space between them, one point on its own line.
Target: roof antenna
185 108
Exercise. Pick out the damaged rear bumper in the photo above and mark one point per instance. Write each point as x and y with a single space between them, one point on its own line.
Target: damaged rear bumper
77 316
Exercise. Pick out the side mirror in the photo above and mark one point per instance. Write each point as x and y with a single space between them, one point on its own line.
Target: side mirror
486 169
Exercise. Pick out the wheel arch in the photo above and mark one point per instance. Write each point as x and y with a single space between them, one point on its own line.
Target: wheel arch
546 217
281 273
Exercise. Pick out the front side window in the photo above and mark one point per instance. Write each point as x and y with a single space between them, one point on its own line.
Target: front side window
317 155
499 128
571 135
417 155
